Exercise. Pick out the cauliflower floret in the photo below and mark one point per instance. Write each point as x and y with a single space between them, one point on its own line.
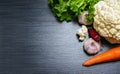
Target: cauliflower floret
107 20
82 32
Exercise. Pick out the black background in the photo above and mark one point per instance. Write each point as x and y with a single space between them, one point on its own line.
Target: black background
32 41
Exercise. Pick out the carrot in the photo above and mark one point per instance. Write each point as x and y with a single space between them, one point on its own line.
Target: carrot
108 56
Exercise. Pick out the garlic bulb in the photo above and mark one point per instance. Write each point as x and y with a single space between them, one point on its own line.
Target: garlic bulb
91 46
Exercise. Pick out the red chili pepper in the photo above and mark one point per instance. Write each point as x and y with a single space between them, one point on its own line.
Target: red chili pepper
94 34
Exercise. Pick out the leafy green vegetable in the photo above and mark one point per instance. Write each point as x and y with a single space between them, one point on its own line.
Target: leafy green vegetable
69 9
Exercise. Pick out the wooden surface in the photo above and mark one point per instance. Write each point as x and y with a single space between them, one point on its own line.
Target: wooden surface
33 42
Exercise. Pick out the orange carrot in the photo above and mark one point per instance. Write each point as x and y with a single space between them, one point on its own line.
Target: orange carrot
108 56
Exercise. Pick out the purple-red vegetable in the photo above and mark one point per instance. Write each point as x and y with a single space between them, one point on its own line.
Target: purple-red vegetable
94 34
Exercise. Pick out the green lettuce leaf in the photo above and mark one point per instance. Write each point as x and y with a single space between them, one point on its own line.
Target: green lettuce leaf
66 10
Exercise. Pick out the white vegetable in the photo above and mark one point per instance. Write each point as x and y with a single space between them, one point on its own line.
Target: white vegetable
107 20
82 19
91 46
82 32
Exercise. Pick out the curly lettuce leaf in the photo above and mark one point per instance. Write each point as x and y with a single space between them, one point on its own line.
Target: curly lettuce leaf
70 9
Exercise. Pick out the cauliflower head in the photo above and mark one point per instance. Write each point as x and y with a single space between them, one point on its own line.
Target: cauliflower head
107 20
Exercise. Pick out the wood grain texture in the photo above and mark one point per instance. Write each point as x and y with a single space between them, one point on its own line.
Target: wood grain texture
32 41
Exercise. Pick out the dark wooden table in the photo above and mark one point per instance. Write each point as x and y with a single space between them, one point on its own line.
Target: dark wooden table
32 41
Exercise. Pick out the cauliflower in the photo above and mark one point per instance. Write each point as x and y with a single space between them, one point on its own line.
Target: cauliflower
82 32
107 20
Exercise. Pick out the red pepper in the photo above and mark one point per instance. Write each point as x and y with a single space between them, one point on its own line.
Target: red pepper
94 34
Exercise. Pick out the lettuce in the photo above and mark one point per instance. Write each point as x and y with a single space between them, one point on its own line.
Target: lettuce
66 10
